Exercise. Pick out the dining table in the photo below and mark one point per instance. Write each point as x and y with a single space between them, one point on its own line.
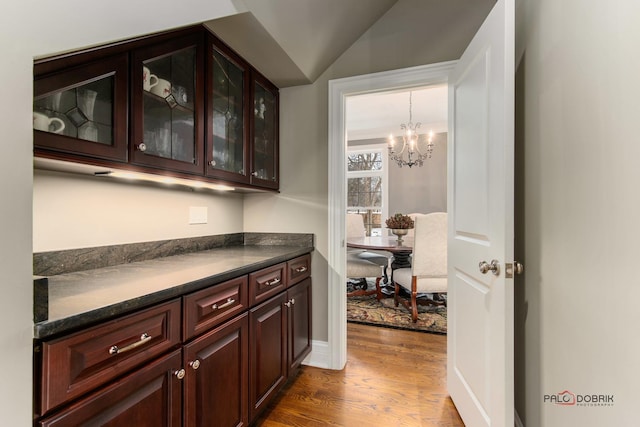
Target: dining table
401 250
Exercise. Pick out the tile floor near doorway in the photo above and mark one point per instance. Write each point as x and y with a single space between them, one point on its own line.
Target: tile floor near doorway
392 378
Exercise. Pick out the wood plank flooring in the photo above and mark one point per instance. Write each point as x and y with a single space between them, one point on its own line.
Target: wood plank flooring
392 378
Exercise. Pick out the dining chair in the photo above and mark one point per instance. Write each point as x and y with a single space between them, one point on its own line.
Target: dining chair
413 216
426 280
363 263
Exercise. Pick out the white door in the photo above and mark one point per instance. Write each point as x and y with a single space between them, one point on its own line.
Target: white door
480 206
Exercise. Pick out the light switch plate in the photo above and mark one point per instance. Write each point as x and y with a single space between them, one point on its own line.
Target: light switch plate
198 215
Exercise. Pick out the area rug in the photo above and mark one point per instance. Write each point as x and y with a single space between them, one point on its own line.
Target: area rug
368 310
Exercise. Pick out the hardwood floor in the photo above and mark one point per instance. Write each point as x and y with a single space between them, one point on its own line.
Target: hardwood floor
392 378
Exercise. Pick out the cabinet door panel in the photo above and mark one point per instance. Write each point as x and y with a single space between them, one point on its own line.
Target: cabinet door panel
299 320
150 397
227 127
268 354
264 134
83 110
216 391
167 105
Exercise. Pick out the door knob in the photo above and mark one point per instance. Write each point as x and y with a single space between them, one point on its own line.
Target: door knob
493 267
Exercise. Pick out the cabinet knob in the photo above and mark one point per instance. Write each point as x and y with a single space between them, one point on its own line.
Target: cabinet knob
212 163
195 364
142 147
288 304
254 173
179 374
241 171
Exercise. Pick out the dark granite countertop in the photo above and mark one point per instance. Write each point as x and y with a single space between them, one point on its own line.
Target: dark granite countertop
82 298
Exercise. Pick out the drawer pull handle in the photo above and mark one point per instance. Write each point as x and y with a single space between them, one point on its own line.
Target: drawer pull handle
224 305
143 339
272 282
301 269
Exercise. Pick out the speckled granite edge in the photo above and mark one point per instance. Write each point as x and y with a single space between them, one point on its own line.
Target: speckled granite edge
67 261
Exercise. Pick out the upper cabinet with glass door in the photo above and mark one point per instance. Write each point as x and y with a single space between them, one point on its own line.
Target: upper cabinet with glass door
81 110
227 123
167 105
264 133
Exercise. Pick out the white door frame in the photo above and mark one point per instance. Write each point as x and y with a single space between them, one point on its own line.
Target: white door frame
339 90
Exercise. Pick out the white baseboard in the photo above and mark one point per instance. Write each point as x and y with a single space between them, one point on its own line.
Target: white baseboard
319 356
518 421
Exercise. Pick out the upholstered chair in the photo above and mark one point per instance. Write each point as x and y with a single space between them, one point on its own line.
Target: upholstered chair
363 263
426 280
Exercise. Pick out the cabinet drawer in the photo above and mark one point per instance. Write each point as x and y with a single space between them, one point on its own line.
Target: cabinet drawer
77 363
266 282
150 396
298 269
210 307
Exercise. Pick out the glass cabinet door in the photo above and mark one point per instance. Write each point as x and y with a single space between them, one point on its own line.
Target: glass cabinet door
83 110
227 153
265 134
165 120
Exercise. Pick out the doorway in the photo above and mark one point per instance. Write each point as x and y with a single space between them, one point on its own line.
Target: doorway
339 91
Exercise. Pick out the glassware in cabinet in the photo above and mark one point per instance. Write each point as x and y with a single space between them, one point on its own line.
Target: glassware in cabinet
168 106
81 110
227 127
264 134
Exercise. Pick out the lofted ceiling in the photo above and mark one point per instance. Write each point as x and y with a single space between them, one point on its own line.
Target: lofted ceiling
292 42
298 39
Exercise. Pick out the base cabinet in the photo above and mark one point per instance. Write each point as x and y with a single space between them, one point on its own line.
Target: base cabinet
230 361
149 397
280 331
298 324
217 376
268 367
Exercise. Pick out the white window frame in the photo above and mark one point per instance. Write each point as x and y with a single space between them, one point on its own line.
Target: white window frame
383 173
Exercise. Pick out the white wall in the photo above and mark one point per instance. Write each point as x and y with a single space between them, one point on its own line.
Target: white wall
581 209
71 211
28 29
395 41
420 189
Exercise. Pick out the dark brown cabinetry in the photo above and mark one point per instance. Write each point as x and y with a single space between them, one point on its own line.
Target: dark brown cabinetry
167 105
80 107
217 376
280 331
268 366
149 397
298 324
242 339
75 364
227 117
264 133
179 103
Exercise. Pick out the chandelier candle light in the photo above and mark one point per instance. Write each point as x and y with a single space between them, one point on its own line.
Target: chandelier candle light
410 139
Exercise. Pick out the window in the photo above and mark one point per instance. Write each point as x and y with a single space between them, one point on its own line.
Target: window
366 185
